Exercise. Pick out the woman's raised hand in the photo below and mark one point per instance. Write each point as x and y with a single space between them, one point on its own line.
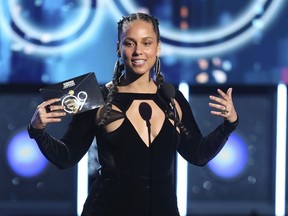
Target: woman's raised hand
47 112
224 105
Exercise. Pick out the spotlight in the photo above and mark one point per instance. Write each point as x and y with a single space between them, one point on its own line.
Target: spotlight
232 159
24 157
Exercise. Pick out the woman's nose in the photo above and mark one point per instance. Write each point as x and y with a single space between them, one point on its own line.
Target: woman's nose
138 50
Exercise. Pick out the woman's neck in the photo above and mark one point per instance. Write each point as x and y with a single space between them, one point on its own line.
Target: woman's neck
143 84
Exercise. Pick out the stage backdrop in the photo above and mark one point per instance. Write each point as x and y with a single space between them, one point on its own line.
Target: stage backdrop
30 185
240 180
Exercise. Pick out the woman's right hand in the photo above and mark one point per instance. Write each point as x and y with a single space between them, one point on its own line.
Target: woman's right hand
46 113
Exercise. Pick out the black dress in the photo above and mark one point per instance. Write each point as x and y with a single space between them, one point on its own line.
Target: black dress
135 178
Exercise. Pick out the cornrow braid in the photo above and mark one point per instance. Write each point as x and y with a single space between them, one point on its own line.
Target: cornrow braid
139 16
120 67
159 78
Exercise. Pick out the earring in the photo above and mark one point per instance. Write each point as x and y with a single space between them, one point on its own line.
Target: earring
157 66
118 68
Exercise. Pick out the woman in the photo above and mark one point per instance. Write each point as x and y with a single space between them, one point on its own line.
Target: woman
137 130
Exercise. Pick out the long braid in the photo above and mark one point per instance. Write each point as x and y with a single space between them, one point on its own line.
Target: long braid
118 68
179 124
159 82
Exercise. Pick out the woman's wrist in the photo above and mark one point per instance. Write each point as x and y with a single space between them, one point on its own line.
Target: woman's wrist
34 132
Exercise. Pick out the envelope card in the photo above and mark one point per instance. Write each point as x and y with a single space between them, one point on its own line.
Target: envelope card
78 94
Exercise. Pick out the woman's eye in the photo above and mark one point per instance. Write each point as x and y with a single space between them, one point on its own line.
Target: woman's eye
147 43
128 43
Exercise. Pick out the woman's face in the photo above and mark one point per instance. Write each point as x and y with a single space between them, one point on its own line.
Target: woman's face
138 47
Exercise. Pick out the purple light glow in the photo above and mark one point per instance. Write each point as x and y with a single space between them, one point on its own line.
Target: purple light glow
232 159
24 156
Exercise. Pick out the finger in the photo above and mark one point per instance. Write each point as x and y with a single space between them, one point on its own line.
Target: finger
55 108
217 99
41 109
49 102
56 114
46 121
218 106
49 112
229 93
46 118
53 100
223 94
217 113
42 105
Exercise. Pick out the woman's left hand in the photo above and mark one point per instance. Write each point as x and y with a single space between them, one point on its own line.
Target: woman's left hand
224 105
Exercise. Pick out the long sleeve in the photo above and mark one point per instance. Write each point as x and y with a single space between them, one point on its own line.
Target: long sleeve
68 150
196 148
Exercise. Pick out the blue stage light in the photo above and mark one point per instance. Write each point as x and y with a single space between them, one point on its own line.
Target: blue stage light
24 156
214 40
47 27
232 159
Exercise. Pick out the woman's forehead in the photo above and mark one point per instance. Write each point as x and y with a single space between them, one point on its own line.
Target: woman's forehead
138 26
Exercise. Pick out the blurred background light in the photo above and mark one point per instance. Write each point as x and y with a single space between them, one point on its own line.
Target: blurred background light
213 40
240 180
182 166
76 36
24 157
281 139
232 159
49 27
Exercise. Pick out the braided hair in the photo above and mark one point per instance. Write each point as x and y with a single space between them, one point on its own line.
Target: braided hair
155 23
120 67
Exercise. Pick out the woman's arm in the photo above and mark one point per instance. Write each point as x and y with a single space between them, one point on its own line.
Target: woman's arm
196 148
76 141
